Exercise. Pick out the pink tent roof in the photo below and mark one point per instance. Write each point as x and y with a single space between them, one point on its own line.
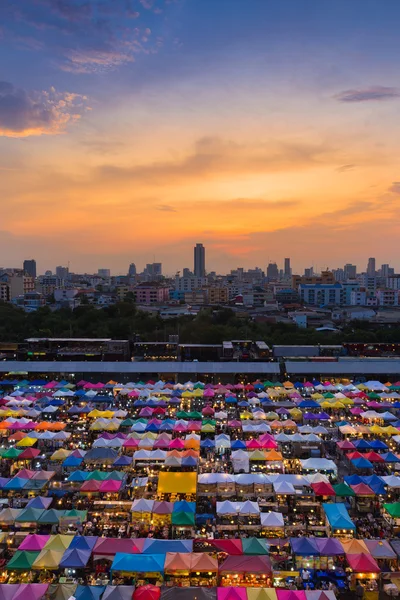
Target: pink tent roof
246 564
362 563
91 486
110 546
231 593
131 443
291 595
110 485
34 542
233 546
177 444
31 591
253 444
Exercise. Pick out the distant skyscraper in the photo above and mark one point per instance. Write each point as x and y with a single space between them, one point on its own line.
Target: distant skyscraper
350 271
199 260
30 267
309 272
62 272
371 267
287 269
384 270
104 273
153 271
272 271
132 270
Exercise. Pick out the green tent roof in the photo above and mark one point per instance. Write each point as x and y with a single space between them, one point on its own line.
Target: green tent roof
393 509
22 560
12 453
343 490
52 516
97 476
182 518
29 515
254 546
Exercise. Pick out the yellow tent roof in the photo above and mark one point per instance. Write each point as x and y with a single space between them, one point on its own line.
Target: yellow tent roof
58 542
95 413
261 593
60 454
316 396
48 559
26 442
376 429
177 483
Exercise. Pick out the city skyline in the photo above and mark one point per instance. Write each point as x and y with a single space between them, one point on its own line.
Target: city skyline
129 129
283 267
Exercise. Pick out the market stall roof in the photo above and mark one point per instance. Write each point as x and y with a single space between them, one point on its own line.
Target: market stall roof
304 546
246 564
183 483
362 563
138 563
338 516
119 592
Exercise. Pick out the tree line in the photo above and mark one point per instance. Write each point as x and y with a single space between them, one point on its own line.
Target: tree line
211 326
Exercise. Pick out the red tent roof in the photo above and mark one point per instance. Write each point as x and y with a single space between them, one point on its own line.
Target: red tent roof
374 457
246 564
362 489
233 547
362 563
323 488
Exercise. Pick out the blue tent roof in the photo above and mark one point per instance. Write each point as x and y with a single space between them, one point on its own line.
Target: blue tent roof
304 546
362 463
353 479
362 444
309 404
238 444
123 461
83 542
89 592
184 506
207 443
390 457
72 461
378 445
189 461
152 545
74 558
338 516
138 563
78 476
16 483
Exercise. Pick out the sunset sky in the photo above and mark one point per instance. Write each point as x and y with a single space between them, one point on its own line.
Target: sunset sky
132 129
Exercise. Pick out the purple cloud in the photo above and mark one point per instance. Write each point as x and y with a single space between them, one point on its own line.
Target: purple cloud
371 94
24 113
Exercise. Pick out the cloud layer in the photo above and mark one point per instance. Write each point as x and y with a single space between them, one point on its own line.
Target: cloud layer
24 113
371 94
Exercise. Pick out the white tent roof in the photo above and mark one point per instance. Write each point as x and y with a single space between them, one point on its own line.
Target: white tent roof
272 519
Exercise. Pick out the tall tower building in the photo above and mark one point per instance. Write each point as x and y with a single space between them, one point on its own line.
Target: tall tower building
287 270
30 267
199 260
350 271
371 268
132 270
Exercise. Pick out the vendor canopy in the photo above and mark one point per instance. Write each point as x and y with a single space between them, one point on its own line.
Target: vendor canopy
177 483
362 563
338 516
188 593
138 563
246 564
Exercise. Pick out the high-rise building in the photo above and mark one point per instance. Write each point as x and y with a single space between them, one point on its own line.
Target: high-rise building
30 267
350 271
199 260
272 271
104 273
62 273
153 271
371 268
384 270
309 272
287 270
132 270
